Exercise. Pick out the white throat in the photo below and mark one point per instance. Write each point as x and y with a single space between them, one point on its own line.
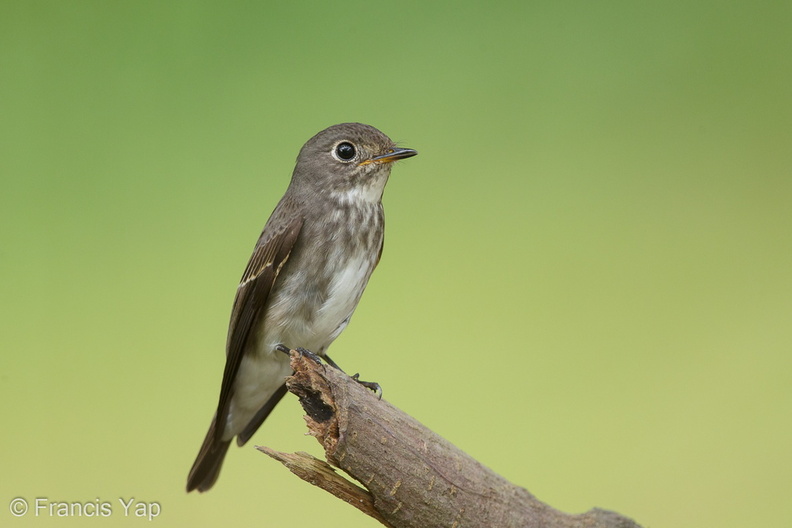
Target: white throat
371 192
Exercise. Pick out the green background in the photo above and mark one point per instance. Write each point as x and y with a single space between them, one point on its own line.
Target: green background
586 282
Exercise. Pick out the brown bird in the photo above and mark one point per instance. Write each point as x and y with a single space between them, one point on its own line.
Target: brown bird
306 275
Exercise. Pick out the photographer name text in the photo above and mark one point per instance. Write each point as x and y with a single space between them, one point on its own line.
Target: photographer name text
44 507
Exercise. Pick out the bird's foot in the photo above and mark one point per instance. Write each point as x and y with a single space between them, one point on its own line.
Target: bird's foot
303 352
368 384
372 385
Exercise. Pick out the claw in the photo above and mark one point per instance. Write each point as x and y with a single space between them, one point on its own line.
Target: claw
310 355
303 352
371 385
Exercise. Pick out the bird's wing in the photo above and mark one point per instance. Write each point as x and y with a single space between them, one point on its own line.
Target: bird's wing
271 253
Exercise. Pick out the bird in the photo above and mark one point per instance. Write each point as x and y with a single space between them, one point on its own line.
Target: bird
303 281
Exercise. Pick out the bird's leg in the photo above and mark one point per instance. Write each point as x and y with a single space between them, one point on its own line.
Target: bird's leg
303 352
372 385
333 363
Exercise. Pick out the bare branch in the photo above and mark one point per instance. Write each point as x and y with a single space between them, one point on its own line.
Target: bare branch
414 477
321 474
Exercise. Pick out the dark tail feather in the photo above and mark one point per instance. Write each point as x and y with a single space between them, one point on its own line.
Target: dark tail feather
261 415
206 467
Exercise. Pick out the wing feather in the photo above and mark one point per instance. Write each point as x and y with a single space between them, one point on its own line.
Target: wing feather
271 253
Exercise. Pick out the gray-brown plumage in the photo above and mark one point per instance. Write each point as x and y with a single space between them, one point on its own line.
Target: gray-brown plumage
304 279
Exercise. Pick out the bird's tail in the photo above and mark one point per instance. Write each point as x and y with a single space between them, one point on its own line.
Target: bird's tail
206 467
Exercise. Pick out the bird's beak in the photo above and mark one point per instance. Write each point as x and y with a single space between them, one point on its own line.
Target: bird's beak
393 155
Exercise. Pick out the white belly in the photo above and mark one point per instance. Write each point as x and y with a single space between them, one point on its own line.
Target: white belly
295 322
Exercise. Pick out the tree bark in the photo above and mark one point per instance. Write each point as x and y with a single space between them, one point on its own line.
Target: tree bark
412 476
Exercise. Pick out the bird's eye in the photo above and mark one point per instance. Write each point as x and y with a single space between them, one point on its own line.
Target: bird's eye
345 151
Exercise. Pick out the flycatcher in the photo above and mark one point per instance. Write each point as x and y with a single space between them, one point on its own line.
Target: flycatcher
303 281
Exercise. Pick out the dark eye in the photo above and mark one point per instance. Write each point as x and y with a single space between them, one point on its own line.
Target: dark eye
345 151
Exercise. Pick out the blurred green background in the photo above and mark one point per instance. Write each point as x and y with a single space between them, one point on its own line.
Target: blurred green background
586 281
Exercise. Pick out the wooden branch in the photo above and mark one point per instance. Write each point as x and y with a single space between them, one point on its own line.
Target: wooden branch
321 474
412 476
